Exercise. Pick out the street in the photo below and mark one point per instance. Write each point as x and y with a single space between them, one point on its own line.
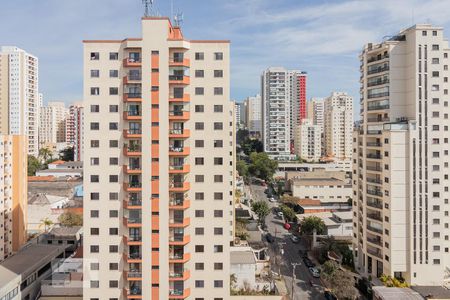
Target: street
302 283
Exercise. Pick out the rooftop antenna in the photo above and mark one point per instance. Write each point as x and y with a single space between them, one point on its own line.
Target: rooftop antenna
150 10
178 19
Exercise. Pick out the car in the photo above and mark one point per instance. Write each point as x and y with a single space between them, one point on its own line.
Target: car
272 199
280 214
294 239
270 238
308 262
314 272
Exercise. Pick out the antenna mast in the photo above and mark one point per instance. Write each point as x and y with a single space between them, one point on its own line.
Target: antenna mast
150 10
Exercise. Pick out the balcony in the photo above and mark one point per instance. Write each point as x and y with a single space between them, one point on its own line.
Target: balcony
373 144
373 229
179 133
179 169
374 252
378 107
132 150
375 241
179 79
132 169
179 204
377 193
132 78
132 186
132 222
133 293
178 151
133 240
377 82
134 257
376 217
378 95
373 156
132 97
179 97
177 223
177 62
179 258
377 58
179 294
179 115
377 120
375 204
181 240
374 180
132 62
378 70
179 186
133 276
179 275
132 115
132 133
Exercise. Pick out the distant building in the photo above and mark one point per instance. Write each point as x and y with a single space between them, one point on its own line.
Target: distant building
52 129
61 168
19 95
307 141
238 114
253 112
75 130
13 194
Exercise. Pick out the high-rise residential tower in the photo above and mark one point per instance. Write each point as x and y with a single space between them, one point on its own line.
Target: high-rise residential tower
159 172
74 130
308 141
297 98
338 126
316 110
19 96
13 193
253 115
52 124
401 197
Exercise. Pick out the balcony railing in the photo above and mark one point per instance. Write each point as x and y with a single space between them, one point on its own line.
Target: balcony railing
374 217
374 241
176 149
374 155
134 274
136 255
177 77
377 58
134 95
375 193
377 82
135 184
373 229
134 131
135 238
378 95
378 70
376 253
374 120
134 220
374 180
375 204
373 131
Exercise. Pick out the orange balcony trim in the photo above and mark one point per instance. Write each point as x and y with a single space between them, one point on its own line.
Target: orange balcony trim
185 223
186 240
185 116
186 257
185 98
177 170
185 80
126 152
128 135
186 275
186 204
182 188
126 170
129 63
186 293
184 152
126 98
186 62
131 118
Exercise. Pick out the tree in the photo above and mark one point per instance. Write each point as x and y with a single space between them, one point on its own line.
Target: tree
341 282
262 166
33 165
70 219
46 223
241 136
242 168
252 145
45 154
308 224
67 154
262 210
288 213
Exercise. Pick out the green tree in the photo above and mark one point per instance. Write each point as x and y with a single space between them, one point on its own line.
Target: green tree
46 223
45 154
288 213
67 154
33 165
308 224
70 219
262 210
252 145
262 166
242 168
241 136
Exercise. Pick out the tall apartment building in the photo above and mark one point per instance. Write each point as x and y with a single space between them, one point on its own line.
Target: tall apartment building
159 172
52 124
338 127
237 114
13 194
19 95
297 98
308 141
401 206
253 115
316 110
75 129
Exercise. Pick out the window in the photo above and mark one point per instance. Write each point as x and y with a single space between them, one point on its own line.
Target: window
95 196
113 266
113 55
199 73
199 178
199 126
94 213
218 91
95 161
218 126
95 231
113 231
199 196
218 178
113 178
435 74
113 283
435 100
218 108
114 161
95 266
113 249
218 56
113 126
199 248
435 47
218 143
199 56
218 213
95 73
434 33
94 178
113 91
95 108
218 73
218 266
218 283
218 196
199 231
199 91
113 144
95 56
435 60
199 143
199 266
95 126
95 91
95 143
94 248
113 73
199 108
199 284
113 213
113 196
95 284
113 108
218 161
199 161
218 231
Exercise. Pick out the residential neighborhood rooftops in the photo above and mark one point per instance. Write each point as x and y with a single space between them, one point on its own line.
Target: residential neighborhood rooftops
392 293
433 292
242 257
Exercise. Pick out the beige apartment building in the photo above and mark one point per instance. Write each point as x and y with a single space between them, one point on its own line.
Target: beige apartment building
13 194
401 162
52 123
338 126
308 141
159 166
19 96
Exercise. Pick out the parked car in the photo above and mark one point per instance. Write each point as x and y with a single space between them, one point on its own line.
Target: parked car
314 272
280 214
308 262
295 239
272 199
270 238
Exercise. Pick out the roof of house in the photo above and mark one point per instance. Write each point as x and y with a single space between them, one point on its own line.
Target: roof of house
45 199
242 257
319 181
308 202
344 215
51 171
392 293
41 178
65 231
433 292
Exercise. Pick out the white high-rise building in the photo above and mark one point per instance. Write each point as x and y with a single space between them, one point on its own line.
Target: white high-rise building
253 115
308 141
52 124
401 197
19 96
338 126
316 110
75 130
237 114
160 166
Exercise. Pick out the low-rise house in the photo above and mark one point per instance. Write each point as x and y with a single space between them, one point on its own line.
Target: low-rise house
65 281
392 293
61 168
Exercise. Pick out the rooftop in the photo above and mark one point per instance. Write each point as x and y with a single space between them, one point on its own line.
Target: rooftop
65 231
242 257
432 292
75 171
319 181
392 293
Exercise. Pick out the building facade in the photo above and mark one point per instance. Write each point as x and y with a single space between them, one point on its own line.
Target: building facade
52 124
13 194
401 158
338 127
253 115
19 96
297 94
74 130
159 172
237 114
308 141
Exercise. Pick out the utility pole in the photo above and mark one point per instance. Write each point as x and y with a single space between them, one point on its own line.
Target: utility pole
293 278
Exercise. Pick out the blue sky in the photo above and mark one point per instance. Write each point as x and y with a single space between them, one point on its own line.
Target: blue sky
320 37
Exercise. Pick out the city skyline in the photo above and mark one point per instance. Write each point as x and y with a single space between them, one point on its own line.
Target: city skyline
280 36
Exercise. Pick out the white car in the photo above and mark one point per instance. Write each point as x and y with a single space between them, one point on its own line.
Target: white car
294 239
315 273
280 214
272 199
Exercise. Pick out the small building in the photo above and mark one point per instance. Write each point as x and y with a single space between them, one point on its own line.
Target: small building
65 282
338 223
392 293
42 206
249 272
61 168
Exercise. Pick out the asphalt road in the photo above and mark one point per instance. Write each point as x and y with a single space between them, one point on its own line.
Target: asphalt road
302 286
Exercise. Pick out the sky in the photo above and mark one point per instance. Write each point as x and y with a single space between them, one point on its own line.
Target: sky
320 37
